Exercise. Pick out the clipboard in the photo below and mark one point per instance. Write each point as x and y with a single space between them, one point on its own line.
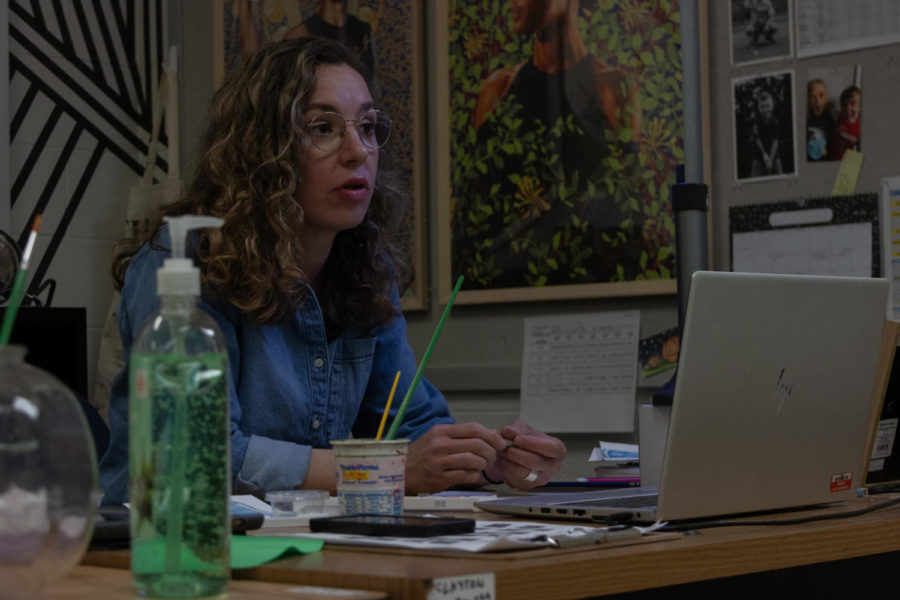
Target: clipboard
829 235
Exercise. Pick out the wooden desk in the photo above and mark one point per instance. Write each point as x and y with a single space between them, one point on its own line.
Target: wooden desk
115 584
712 554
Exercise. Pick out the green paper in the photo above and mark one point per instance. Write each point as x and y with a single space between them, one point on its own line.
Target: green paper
150 558
249 551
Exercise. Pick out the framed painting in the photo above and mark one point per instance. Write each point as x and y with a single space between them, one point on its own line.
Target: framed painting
560 131
386 36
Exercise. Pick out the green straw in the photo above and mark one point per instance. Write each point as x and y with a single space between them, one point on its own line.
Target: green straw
398 419
18 290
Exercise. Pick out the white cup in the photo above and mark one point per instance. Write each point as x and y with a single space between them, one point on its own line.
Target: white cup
371 475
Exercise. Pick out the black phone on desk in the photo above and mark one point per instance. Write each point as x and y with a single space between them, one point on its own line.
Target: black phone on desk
392 525
112 526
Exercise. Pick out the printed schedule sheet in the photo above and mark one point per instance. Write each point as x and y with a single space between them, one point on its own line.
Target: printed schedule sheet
829 26
579 372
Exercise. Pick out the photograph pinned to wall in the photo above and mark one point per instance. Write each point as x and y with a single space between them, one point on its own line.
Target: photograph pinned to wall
386 37
833 112
764 126
761 30
555 175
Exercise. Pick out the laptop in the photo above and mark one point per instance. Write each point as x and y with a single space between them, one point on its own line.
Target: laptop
772 406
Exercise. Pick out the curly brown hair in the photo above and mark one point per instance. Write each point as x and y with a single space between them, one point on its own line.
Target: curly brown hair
248 172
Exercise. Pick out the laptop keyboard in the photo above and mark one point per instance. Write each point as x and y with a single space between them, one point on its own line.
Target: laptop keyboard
625 502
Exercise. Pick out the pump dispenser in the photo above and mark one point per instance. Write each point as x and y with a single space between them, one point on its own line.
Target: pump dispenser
179 429
178 275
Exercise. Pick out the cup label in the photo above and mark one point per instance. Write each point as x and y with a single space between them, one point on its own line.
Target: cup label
372 484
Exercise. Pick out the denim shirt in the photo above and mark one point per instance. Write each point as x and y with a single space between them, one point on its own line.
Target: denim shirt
291 389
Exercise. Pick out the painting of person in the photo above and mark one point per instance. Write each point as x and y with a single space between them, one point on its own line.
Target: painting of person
331 19
560 66
554 137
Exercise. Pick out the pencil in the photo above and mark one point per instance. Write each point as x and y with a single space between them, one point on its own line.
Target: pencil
18 290
398 419
387 407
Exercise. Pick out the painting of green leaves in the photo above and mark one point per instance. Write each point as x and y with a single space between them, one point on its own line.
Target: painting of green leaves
565 129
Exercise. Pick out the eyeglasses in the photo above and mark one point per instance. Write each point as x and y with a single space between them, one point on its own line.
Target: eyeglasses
326 130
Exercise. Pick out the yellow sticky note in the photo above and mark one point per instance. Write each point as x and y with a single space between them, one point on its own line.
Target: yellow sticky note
848 173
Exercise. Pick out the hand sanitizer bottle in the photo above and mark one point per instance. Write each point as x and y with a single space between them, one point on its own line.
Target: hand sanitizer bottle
179 454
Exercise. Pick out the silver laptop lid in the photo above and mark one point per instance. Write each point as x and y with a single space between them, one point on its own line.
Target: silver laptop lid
773 393
772 403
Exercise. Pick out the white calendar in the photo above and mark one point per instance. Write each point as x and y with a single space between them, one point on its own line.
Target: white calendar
579 372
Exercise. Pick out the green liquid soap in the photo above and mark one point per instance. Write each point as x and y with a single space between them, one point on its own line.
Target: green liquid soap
179 465
179 458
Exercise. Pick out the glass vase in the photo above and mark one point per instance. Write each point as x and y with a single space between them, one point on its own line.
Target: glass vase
48 477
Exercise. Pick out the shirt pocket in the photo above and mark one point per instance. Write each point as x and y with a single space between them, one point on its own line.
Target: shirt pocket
352 369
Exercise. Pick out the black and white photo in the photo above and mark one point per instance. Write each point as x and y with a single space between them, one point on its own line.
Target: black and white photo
761 30
764 126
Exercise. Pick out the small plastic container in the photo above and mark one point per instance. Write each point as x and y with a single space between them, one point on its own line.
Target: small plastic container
297 502
370 475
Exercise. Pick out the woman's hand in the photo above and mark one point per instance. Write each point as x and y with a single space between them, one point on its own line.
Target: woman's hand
451 455
532 459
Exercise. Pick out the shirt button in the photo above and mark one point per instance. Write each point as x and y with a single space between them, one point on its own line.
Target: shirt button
316 424
319 362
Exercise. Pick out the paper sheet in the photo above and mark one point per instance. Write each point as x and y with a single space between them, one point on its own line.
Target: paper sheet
848 174
579 372
246 552
488 536
615 453
826 26
457 500
252 504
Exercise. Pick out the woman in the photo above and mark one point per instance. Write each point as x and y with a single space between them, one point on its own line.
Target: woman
302 279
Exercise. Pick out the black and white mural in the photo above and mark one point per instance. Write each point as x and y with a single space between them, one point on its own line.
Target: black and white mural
82 81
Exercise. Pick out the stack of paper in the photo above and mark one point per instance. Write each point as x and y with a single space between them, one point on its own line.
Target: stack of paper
451 500
611 459
247 504
454 500
489 536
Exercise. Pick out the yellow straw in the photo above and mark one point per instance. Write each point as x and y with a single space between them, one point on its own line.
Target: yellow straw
387 407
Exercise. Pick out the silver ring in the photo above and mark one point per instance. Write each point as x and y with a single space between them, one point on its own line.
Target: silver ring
532 476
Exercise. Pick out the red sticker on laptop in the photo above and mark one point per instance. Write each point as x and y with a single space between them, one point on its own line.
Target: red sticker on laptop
841 482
